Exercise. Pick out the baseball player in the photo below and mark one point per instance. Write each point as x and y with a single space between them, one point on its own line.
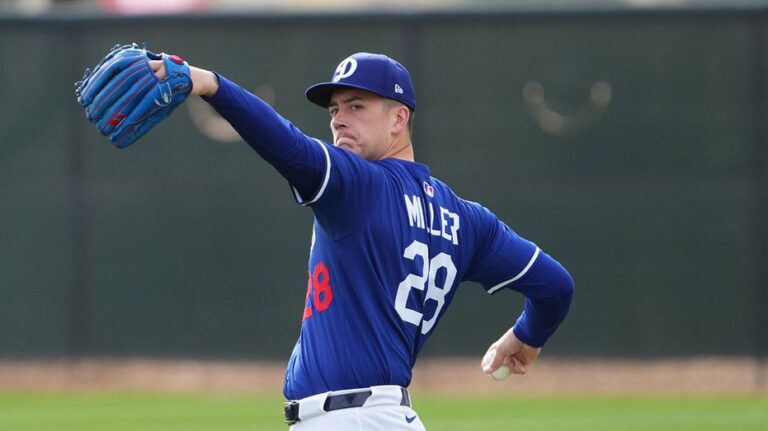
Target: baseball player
390 243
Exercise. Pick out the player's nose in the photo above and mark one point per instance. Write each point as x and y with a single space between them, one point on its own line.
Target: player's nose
337 122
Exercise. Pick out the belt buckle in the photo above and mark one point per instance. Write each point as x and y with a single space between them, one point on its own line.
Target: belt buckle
291 411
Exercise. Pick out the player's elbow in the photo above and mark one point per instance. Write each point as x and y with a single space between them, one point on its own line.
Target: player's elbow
559 285
564 287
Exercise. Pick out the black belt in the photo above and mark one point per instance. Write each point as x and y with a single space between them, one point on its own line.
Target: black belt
338 402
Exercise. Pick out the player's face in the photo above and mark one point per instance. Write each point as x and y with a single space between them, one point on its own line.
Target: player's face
361 122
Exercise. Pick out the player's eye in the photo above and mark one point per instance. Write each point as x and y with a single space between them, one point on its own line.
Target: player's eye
356 107
333 111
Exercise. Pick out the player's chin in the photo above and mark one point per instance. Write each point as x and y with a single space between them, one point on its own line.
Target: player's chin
347 145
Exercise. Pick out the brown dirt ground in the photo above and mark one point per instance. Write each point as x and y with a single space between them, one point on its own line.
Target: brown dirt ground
670 376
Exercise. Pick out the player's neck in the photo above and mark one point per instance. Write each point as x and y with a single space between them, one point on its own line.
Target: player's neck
401 149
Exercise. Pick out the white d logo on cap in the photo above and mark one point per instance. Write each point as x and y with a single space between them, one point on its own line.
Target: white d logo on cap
345 69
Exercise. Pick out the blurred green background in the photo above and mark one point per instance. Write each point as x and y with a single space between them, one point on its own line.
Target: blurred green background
256 412
629 144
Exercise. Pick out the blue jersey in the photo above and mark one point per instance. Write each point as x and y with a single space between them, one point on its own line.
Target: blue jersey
390 246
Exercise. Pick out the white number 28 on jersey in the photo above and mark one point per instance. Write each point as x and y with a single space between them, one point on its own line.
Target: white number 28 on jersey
436 293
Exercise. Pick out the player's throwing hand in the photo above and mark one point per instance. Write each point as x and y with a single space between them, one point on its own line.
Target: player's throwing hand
509 351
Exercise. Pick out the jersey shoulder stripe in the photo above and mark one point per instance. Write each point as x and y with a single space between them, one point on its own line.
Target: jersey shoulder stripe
319 193
495 288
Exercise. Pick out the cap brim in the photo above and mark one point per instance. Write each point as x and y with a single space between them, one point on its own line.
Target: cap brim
320 94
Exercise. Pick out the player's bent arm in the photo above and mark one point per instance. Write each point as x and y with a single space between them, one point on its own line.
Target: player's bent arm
549 291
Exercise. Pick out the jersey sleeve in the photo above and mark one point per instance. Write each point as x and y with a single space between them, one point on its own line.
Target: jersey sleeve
501 256
505 260
548 289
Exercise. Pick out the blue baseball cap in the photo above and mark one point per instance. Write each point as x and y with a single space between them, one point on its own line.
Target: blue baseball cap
376 73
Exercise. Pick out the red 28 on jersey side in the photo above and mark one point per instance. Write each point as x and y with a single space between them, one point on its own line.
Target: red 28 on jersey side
319 289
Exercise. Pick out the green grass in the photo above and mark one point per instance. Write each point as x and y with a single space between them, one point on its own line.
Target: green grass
109 411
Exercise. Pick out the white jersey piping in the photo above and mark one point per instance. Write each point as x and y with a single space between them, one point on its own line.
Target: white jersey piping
325 180
518 276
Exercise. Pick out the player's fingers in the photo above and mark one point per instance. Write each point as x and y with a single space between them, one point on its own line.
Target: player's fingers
517 366
492 360
485 364
158 68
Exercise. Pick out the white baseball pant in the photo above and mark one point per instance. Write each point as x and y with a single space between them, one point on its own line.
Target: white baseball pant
383 410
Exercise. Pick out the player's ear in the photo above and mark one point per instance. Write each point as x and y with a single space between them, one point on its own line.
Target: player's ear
401 115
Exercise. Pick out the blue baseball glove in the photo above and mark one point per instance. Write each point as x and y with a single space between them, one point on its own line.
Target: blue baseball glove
125 99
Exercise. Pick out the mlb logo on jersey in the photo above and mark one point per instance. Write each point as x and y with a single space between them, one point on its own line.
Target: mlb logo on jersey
429 190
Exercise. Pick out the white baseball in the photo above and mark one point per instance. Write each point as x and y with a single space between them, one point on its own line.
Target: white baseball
501 373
